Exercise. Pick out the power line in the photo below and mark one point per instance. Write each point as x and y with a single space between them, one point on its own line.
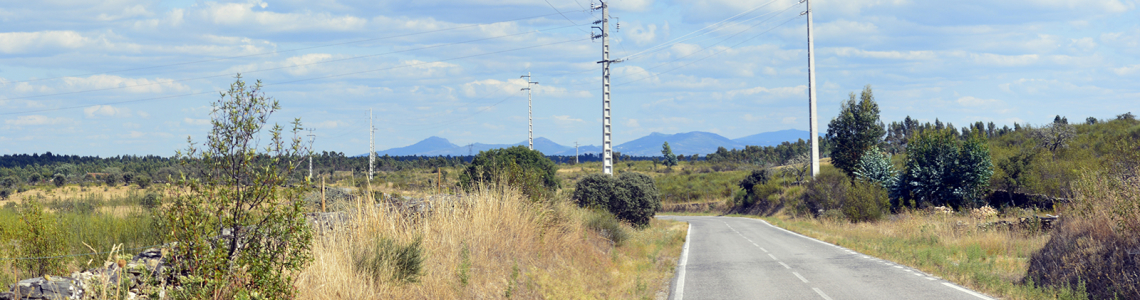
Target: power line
682 38
286 67
302 80
297 49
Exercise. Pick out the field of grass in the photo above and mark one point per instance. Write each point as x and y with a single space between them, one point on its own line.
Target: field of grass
950 246
495 244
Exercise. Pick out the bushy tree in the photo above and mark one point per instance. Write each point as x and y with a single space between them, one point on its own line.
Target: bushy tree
944 170
518 166
632 197
238 224
111 179
58 180
670 159
855 130
9 182
34 178
1055 136
875 166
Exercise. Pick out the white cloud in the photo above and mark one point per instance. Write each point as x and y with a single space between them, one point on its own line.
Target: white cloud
904 55
327 124
642 35
128 12
972 101
632 5
25 42
632 123
779 92
37 120
789 120
1126 70
566 119
106 111
134 85
241 14
199 122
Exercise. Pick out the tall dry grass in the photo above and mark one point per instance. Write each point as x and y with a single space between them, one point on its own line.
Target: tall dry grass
1096 246
493 243
990 259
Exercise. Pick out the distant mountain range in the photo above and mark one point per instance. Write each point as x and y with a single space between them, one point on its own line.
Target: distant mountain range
696 142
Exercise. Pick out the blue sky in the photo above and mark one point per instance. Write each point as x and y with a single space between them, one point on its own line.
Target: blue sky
137 77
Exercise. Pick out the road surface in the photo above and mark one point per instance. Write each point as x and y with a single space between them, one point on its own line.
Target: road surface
743 258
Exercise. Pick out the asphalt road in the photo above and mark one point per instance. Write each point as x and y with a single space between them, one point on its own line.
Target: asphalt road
742 258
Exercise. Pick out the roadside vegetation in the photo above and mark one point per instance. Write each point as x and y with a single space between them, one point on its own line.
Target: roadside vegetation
977 205
502 226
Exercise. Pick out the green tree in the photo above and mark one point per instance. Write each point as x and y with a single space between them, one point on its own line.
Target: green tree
944 170
632 197
238 226
875 166
58 180
111 179
670 159
854 131
528 169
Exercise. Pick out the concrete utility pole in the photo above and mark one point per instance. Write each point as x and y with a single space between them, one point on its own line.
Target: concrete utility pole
311 136
575 152
607 139
371 144
811 95
529 115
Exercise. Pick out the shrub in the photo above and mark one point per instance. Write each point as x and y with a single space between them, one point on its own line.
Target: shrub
384 258
5 193
826 192
40 236
516 166
866 201
34 179
632 197
238 225
58 180
111 179
128 178
876 166
943 170
9 182
636 198
151 201
607 225
143 182
594 191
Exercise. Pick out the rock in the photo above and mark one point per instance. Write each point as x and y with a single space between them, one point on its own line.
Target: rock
7 296
47 288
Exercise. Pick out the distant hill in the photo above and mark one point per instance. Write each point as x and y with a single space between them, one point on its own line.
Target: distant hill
428 145
688 143
774 138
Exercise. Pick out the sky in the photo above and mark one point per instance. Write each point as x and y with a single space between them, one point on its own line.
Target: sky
134 77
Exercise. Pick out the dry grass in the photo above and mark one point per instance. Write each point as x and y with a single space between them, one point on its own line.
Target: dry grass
954 247
495 244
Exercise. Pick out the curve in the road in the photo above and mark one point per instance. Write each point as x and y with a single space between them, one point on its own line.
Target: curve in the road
744 258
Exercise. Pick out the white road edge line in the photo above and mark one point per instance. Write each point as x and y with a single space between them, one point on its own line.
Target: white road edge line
773 256
679 289
821 294
967 291
785 265
800 277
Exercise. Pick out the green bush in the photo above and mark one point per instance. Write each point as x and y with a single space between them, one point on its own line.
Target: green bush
58 180
631 197
128 178
637 198
866 201
238 222
5 193
594 191
384 258
755 188
111 179
941 169
9 182
39 236
825 192
34 179
151 201
516 166
607 225
142 181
